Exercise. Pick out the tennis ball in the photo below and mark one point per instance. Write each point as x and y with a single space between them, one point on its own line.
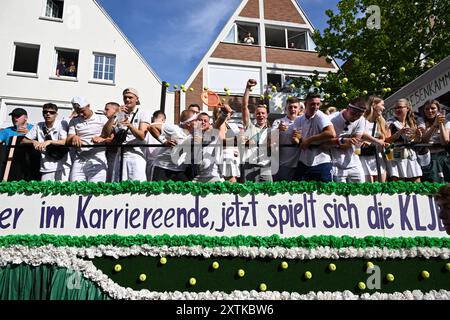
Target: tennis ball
384 90
192 281
263 287
390 277
262 97
269 97
226 89
308 275
205 88
373 75
284 265
241 273
447 266
167 84
292 86
361 285
142 277
343 95
425 274
274 88
228 93
332 267
175 86
327 96
369 265
344 80
365 92
215 265
117 268
191 89
388 89
317 83
402 69
163 260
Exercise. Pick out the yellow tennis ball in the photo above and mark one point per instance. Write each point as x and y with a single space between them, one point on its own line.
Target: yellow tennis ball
205 88
263 287
292 86
317 83
308 275
262 97
241 273
142 277
344 80
425 274
191 89
327 96
117 268
228 93
332 267
215 265
269 97
390 277
167 84
361 285
284 265
175 86
274 88
402 69
192 281
447 266
369 265
373 75
163 260
343 95
365 92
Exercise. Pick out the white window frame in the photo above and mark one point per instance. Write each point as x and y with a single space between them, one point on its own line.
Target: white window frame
286 38
13 59
92 70
44 15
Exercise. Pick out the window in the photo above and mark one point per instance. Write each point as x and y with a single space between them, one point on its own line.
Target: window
296 39
274 80
286 38
242 32
66 63
54 9
104 67
232 77
26 57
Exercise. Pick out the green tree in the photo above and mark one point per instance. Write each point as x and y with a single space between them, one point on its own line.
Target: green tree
411 38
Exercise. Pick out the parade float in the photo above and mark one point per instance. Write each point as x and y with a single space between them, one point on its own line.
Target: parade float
167 240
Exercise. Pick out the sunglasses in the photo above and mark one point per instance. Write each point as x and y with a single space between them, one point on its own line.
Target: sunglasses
347 123
48 111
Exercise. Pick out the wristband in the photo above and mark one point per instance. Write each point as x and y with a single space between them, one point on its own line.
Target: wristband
162 139
341 141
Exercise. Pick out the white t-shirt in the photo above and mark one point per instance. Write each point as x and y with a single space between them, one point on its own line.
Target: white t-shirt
345 158
311 127
209 156
86 130
288 155
256 152
140 117
164 159
57 132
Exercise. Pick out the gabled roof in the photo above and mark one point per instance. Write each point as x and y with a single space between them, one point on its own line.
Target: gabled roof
245 6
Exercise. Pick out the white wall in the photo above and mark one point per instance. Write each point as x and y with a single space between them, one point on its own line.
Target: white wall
85 28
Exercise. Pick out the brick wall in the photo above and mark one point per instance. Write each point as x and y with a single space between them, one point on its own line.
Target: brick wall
251 10
237 52
296 57
281 10
194 97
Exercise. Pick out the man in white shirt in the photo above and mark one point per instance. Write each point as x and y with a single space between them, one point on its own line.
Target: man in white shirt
257 165
90 163
314 162
135 123
349 126
49 137
288 155
151 153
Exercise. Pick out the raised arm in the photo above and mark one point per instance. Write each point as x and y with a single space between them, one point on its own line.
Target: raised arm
245 112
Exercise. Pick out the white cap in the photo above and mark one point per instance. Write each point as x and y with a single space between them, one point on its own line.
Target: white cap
79 102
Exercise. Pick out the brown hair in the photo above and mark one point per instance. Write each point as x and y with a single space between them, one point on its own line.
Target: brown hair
429 122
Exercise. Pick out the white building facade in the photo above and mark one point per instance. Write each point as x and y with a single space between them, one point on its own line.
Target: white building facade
35 35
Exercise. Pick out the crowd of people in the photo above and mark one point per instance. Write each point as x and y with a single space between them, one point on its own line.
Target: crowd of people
356 144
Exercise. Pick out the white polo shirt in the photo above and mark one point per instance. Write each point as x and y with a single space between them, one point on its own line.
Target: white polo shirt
140 117
86 130
311 127
164 159
288 155
345 158
57 132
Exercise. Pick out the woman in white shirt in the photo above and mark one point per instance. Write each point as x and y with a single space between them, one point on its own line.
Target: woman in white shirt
435 130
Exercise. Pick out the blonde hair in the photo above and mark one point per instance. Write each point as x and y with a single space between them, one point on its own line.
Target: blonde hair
369 114
410 120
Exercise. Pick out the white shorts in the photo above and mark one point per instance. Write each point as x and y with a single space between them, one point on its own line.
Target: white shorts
61 175
92 169
354 174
